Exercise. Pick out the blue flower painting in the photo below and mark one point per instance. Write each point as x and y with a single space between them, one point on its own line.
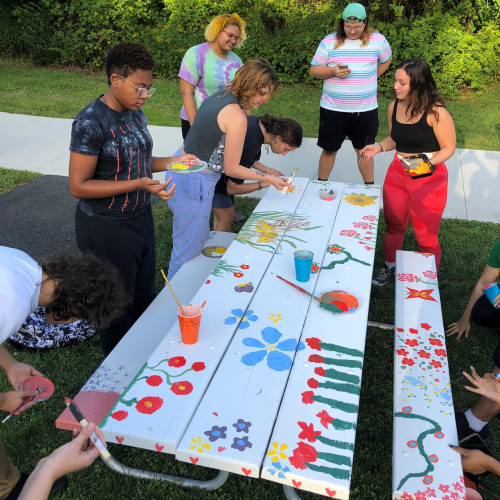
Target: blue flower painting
272 350
240 443
242 426
245 318
278 468
215 433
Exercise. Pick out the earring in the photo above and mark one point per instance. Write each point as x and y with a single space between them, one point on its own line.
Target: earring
267 149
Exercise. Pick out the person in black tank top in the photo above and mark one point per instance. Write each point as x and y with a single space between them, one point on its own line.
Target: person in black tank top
418 123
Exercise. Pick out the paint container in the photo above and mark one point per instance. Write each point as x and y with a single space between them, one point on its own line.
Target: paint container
491 291
41 384
327 194
189 323
303 262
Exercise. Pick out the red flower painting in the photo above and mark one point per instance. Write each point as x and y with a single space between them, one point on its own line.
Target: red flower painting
307 397
313 383
435 342
436 364
334 249
407 277
314 358
308 433
408 361
402 352
420 294
424 354
181 388
349 232
440 352
430 274
324 418
149 405
177 361
369 217
198 366
119 415
154 380
304 453
425 326
238 275
314 343
411 342
319 370
245 266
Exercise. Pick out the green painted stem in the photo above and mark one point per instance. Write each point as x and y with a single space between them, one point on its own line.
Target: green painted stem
336 444
339 405
331 471
349 388
341 349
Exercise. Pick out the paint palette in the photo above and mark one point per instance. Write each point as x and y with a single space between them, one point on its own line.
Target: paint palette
327 194
41 384
187 166
339 302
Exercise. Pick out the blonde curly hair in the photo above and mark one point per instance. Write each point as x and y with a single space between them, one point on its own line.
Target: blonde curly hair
220 22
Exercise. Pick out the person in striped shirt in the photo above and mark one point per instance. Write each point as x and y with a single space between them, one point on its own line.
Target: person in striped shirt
350 60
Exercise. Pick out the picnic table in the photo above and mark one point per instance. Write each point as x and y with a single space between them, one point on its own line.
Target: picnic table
271 388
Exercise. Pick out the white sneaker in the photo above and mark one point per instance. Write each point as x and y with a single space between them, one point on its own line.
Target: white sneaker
384 276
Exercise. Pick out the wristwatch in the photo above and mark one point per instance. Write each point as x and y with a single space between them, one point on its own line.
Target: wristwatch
259 185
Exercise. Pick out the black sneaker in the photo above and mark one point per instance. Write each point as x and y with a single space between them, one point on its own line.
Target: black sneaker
59 485
240 218
384 276
464 431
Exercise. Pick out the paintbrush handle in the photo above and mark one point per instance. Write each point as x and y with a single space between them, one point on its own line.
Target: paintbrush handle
299 288
173 293
26 400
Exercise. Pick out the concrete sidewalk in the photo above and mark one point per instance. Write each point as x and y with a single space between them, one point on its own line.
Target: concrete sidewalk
41 145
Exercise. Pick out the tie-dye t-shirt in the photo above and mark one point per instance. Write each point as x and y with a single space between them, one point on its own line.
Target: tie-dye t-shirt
208 72
123 145
357 92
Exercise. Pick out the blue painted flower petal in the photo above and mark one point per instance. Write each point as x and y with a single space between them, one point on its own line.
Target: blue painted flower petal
280 474
250 342
271 471
252 358
243 325
286 469
271 335
237 312
279 361
301 346
230 321
287 345
252 317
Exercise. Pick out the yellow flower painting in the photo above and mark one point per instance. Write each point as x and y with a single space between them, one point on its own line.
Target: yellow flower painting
360 199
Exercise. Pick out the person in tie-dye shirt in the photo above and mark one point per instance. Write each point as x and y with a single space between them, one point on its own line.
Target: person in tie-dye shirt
210 66
349 61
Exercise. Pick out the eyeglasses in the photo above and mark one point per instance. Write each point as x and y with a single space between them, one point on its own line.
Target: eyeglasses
231 36
141 91
356 29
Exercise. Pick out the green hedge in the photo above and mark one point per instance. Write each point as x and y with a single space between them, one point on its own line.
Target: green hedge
459 38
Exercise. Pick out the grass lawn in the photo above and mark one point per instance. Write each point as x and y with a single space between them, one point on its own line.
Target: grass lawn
10 179
31 90
30 436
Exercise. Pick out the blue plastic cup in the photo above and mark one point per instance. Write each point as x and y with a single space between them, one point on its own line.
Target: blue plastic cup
303 262
491 291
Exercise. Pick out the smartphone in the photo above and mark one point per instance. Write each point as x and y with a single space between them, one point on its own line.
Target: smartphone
343 66
475 442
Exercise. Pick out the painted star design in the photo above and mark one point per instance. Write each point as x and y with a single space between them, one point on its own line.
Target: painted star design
420 294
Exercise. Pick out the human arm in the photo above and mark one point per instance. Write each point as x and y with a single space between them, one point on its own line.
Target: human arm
16 372
444 130
476 461
70 457
386 144
246 187
187 92
83 185
489 275
233 122
266 170
382 67
487 385
323 72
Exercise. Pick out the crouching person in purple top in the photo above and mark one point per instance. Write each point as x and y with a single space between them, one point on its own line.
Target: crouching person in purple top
110 169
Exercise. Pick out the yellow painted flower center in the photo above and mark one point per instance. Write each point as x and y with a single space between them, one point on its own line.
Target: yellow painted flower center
148 404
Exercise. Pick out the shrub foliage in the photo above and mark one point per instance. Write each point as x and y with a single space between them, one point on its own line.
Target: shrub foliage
459 38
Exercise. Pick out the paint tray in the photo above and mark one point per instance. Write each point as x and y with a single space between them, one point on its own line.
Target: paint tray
187 166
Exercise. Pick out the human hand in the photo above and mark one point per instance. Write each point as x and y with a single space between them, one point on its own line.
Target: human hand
274 172
187 157
460 327
473 461
370 151
341 72
264 184
278 182
157 188
487 385
496 301
18 373
9 401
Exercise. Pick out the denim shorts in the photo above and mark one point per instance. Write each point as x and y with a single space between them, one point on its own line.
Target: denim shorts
222 201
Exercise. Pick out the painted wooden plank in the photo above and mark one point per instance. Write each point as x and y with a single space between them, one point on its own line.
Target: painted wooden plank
104 387
232 425
155 409
312 445
424 422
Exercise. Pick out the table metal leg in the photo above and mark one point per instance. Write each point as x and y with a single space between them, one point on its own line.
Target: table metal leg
290 493
384 326
210 485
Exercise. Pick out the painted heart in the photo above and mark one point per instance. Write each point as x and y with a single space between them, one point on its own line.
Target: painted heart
400 329
412 330
247 472
215 413
119 439
221 448
330 493
297 484
158 447
207 282
194 460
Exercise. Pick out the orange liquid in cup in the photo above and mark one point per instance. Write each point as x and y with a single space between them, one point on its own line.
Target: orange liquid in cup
190 323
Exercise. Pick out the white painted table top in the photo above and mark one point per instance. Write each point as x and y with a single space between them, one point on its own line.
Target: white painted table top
155 409
232 425
424 424
312 444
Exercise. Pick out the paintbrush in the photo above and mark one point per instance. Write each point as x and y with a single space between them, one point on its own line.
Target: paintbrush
83 422
202 306
300 289
290 179
402 159
25 401
173 293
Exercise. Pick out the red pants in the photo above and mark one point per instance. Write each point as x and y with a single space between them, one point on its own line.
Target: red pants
423 200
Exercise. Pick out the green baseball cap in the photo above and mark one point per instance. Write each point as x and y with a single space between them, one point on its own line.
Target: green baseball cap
354 10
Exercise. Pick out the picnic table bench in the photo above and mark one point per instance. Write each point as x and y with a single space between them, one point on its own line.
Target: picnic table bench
215 403
424 466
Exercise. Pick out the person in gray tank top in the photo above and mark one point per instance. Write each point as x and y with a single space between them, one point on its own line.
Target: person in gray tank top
221 116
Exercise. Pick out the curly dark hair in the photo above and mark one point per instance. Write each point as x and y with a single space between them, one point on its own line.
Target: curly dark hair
126 58
289 130
424 96
87 287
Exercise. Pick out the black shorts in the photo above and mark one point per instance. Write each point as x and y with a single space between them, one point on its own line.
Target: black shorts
361 128
484 314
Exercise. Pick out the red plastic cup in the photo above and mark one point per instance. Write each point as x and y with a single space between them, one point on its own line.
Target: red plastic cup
189 323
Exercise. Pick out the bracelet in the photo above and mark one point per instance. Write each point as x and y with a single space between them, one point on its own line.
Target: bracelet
382 150
260 185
